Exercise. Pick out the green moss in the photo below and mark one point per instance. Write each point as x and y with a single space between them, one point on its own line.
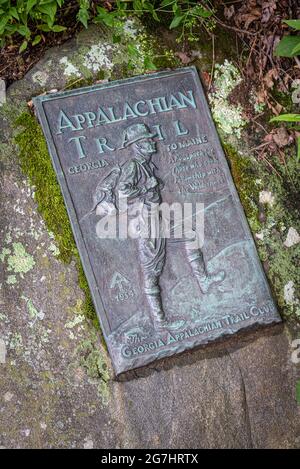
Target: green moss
166 59
285 99
272 222
94 363
244 176
88 306
74 83
36 164
283 262
133 52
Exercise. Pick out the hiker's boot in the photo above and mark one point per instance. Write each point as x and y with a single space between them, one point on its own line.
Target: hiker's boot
158 314
205 282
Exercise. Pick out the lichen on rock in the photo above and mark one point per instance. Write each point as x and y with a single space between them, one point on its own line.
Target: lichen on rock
124 50
69 69
227 116
269 199
20 261
94 361
33 312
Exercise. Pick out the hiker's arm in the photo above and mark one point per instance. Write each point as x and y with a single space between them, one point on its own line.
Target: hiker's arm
128 183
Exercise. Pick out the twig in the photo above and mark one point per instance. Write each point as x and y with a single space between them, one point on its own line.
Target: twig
233 28
260 146
297 61
260 125
213 62
2 70
251 50
262 156
73 83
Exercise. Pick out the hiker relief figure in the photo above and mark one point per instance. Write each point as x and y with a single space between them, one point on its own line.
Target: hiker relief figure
134 188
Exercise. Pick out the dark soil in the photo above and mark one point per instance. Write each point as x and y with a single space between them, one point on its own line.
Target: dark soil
257 25
13 65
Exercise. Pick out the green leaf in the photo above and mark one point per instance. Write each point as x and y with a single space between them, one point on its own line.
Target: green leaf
293 24
117 38
296 50
44 27
121 6
137 5
104 16
166 3
13 12
30 5
150 8
11 29
23 46
36 40
286 118
148 64
155 15
176 9
199 10
133 51
24 31
4 20
57 28
49 10
286 46
176 21
83 16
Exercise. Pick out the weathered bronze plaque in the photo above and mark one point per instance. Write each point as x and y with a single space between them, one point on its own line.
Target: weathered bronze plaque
162 235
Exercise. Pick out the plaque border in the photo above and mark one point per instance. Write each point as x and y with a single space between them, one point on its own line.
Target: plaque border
39 101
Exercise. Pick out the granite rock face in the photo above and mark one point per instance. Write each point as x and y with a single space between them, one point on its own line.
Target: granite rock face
57 388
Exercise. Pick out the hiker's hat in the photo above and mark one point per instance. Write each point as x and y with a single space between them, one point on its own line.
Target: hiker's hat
134 133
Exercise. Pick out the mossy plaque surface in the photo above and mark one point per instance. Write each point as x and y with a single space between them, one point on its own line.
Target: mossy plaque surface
162 235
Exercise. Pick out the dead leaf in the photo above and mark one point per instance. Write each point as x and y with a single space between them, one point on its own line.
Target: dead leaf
270 77
278 108
248 18
229 12
281 137
261 95
108 6
268 9
184 57
206 78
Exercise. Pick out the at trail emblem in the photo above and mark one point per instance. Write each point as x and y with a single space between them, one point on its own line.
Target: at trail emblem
118 281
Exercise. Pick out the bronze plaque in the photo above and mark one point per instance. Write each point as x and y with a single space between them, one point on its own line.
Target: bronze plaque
162 235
